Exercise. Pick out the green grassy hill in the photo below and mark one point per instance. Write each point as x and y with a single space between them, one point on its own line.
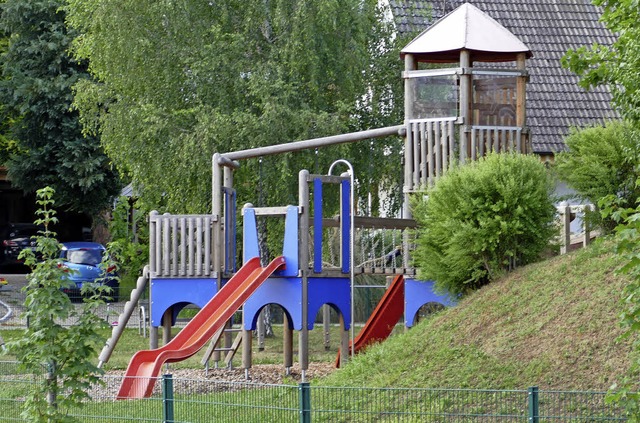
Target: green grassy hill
553 324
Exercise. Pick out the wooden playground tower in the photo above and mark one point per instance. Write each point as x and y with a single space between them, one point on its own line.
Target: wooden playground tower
465 79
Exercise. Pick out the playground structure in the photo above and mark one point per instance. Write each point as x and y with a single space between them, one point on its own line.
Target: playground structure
451 115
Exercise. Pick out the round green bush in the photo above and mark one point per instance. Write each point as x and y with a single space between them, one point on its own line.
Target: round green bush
482 219
602 161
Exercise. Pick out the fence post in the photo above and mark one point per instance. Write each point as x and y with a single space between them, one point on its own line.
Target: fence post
305 402
565 211
167 398
533 405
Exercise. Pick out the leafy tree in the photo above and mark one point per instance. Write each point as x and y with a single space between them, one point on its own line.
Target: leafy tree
482 219
614 66
50 149
602 161
63 352
177 81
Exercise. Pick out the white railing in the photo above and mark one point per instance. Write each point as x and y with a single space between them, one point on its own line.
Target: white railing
568 213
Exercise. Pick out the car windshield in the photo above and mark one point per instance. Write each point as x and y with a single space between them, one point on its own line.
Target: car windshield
84 256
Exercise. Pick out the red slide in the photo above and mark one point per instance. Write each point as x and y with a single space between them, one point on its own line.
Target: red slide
383 319
145 366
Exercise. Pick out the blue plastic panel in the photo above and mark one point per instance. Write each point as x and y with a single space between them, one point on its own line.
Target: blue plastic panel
286 292
167 292
250 243
418 293
290 244
333 291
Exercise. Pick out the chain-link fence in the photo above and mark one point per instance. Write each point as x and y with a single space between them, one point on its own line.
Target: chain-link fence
194 400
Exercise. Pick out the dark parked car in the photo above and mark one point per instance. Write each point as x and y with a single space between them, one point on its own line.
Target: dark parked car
81 261
15 237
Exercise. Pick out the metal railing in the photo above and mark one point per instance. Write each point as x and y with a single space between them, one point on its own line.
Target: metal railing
199 400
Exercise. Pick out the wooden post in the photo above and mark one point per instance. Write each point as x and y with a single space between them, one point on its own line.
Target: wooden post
287 342
566 229
588 208
166 326
409 100
153 337
247 339
521 98
465 99
260 329
216 211
326 326
303 252
344 342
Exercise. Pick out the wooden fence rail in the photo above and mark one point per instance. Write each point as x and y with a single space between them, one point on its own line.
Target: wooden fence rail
180 245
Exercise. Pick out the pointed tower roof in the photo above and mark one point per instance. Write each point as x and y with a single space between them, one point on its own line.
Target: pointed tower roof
468 28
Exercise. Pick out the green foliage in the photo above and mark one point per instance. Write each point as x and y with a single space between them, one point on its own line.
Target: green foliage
628 245
615 66
602 161
482 219
179 81
129 244
50 343
38 76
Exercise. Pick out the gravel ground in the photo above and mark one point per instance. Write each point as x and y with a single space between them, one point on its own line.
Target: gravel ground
197 381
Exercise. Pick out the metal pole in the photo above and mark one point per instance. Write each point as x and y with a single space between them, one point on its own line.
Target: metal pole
351 243
167 398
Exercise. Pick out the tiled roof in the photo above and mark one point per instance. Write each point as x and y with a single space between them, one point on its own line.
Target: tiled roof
555 102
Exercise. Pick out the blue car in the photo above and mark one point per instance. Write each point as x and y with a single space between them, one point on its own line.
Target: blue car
81 262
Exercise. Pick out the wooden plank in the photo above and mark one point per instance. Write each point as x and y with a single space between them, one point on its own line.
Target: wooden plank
438 150
445 146
233 349
416 156
451 143
174 246
199 247
424 177
190 246
474 143
165 247
408 158
207 245
432 172
183 246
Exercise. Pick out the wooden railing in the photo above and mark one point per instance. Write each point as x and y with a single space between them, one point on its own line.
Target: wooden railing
486 139
433 146
430 150
180 245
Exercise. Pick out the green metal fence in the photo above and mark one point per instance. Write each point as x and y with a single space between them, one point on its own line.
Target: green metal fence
181 400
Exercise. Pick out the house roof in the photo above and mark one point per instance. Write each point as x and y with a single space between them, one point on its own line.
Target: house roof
467 28
555 102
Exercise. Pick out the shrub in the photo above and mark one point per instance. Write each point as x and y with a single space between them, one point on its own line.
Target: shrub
129 241
61 339
602 161
482 219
